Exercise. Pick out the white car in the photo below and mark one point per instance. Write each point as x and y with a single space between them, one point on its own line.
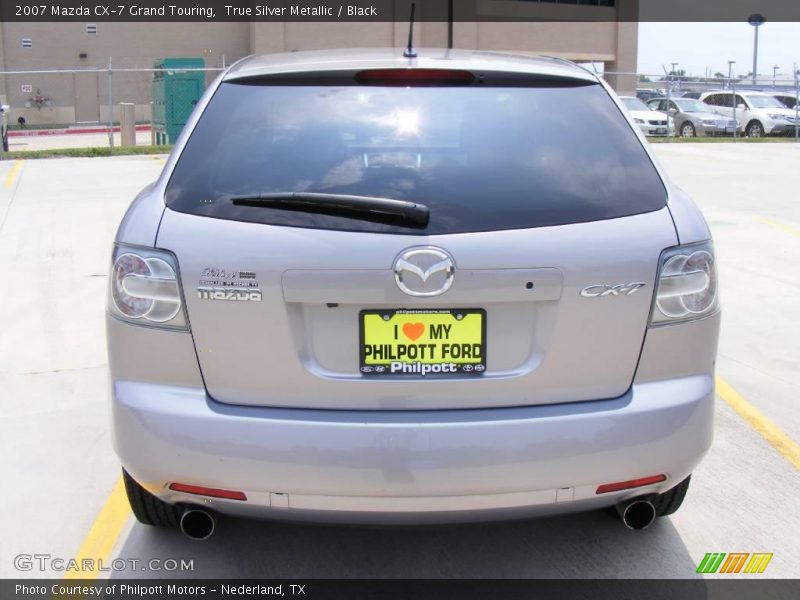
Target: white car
651 122
760 114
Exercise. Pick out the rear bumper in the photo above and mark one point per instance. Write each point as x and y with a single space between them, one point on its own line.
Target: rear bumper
706 129
383 466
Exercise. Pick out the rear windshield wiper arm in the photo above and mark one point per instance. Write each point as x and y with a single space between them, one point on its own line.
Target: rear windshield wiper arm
363 207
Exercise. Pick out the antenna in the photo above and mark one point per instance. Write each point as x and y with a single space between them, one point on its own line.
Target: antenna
409 51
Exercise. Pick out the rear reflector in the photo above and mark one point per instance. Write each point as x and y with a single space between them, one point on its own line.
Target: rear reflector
204 491
414 77
625 485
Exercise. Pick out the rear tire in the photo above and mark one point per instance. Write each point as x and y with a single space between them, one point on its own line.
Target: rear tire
671 500
148 509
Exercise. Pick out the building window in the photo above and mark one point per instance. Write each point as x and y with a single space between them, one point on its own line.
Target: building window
26 42
91 29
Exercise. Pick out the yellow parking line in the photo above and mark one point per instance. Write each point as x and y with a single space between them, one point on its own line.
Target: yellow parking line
779 225
103 535
12 174
768 430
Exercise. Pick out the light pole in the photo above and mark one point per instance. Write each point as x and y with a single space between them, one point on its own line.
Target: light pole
756 20
674 73
774 74
733 97
795 73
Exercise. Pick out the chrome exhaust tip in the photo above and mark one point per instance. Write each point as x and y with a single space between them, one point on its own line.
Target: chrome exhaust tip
197 523
638 513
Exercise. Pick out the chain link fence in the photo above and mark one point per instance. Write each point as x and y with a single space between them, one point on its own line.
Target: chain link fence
94 108
89 108
760 107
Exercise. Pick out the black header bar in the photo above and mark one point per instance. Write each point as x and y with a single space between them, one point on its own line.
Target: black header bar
367 11
743 588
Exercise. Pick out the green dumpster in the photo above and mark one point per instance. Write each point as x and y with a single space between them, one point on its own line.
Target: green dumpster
176 91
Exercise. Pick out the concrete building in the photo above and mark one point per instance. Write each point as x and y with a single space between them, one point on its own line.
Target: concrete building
82 97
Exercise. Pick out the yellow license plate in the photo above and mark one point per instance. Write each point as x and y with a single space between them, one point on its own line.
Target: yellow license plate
435 342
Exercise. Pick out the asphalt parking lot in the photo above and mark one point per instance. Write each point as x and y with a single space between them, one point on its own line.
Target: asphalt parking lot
61 498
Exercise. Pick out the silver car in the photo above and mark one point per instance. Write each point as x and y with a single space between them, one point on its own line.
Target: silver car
694 118
372 288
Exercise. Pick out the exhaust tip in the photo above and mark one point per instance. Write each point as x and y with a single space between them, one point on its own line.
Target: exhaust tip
197 524
637 514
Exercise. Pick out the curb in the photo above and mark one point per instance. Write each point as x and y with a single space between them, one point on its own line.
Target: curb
68 131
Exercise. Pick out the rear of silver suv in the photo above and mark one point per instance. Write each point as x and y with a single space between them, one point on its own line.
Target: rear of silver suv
373 288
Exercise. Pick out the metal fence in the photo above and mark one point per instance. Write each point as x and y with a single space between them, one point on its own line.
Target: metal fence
83 108
647 87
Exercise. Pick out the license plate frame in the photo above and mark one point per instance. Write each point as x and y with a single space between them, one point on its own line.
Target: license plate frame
449 366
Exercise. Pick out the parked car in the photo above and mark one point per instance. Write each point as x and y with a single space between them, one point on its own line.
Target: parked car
693 118
651 122
759 113
373 288
4 110
788 99
647 94
694 95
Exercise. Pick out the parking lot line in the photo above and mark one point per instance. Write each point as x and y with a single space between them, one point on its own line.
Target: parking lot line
12 174
779 225
103 535
768 430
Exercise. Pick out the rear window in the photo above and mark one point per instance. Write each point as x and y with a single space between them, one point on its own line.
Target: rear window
481 158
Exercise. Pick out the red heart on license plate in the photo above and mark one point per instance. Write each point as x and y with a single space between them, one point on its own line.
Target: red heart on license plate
413 330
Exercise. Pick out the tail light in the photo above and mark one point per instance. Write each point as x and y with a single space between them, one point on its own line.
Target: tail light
144 287
415 77
687 284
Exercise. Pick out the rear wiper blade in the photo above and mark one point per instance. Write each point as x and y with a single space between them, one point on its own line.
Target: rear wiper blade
357 207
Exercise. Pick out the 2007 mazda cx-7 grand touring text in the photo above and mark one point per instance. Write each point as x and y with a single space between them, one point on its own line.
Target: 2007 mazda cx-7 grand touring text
368 287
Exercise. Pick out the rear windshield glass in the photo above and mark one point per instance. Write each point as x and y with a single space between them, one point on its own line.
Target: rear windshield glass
480 158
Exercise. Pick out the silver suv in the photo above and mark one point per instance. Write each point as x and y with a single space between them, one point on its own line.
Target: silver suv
375 288
758 113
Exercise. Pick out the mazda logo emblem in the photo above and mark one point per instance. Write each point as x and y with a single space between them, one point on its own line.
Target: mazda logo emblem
424 271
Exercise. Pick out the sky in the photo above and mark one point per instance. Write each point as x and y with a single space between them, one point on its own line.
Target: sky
698 46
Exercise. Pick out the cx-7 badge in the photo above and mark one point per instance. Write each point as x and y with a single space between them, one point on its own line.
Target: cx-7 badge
622 289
